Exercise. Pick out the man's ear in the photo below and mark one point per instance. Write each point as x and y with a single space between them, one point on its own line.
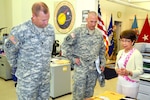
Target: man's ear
33 16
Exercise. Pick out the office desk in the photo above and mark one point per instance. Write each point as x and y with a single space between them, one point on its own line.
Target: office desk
60 83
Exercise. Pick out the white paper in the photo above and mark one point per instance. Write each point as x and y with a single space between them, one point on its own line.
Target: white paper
145 75
98 65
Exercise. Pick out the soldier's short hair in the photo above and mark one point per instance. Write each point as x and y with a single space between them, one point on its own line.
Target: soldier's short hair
92 13
40 6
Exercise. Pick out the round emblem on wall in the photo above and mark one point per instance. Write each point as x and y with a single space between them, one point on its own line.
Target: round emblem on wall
64 17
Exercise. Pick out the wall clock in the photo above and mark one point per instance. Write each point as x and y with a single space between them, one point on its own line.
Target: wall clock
64 17
118 14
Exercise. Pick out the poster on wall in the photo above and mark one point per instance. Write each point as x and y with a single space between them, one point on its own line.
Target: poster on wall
84 15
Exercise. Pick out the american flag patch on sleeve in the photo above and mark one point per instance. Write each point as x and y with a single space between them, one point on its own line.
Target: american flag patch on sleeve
13 39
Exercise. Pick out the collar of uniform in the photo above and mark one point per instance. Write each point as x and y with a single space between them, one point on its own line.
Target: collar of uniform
34 28
90 32
40 30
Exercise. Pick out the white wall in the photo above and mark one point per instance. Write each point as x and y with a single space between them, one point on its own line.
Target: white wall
127 17
2 16
20 11
79 6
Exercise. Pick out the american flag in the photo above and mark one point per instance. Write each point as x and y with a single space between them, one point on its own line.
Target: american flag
111 37
102 28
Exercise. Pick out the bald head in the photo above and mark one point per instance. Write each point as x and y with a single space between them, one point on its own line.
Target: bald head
92 20
92 13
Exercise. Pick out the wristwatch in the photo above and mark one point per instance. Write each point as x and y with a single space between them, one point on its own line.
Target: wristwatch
129 73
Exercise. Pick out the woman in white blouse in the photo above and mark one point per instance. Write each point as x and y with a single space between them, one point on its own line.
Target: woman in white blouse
129 65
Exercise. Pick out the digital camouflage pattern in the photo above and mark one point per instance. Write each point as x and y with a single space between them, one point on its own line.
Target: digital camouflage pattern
86 45
29 49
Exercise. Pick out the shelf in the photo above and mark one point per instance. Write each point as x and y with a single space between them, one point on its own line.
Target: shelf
146 60
146 54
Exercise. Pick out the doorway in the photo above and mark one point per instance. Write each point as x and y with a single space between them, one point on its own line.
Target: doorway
118 31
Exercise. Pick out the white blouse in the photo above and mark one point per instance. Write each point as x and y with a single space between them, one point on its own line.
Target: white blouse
122 60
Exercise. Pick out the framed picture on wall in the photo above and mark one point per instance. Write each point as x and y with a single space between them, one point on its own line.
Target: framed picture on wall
84 15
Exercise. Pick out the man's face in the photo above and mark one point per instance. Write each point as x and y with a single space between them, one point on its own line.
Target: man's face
41 20
92 22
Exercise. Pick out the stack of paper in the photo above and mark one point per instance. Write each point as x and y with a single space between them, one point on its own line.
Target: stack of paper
145 75
61 61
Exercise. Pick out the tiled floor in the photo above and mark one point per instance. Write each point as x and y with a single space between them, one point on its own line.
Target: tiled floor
7 90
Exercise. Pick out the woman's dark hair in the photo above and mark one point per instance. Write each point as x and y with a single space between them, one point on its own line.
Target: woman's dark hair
129 34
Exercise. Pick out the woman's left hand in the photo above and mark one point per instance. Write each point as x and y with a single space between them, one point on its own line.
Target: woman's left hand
124 72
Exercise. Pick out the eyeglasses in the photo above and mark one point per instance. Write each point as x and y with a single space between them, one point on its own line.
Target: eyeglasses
125 40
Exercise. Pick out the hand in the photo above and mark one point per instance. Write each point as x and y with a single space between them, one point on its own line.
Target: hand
77 61
118 71
102 68
122 72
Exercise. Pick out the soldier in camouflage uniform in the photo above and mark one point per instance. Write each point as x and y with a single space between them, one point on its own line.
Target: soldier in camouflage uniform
82 47
29 48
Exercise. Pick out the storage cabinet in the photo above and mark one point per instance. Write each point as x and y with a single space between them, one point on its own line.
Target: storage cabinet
144 90
60 83
5 70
